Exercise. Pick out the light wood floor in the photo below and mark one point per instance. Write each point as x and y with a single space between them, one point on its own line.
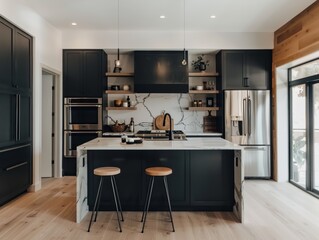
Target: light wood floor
273 211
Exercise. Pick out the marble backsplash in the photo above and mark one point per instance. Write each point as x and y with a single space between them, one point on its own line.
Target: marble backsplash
149 106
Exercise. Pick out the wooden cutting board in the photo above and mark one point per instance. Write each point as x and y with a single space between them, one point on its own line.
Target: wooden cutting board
159 122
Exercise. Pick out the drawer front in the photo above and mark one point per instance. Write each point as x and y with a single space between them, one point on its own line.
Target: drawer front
15 174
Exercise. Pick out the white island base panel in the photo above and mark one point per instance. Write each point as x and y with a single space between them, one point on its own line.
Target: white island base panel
105 144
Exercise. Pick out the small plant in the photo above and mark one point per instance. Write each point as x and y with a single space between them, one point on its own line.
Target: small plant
200 64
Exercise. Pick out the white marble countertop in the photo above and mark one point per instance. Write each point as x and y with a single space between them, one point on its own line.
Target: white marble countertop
198 143
203 134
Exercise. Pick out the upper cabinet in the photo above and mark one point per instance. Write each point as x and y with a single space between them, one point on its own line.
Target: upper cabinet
15 57
244 69
84 73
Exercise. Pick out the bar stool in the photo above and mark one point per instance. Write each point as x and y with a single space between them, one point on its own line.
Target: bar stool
156 172
107 172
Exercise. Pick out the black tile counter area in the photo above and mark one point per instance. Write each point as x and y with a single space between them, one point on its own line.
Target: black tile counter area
207 174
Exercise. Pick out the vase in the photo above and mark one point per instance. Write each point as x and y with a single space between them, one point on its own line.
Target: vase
202 66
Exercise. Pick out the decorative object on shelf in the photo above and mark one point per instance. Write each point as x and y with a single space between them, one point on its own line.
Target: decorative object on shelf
124 104
131 125
199 88
200 103
200 64
126 87
210 85
117 103
115 87
118 127
117 67
128 101
195 103
209 102
184 62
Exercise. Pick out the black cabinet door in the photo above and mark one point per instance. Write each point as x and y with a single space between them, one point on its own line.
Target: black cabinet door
8 120
245 69
232 70
6 58
128 181
22 60
257 70
83 73
73 73
15 172
212 179
92 81
177 181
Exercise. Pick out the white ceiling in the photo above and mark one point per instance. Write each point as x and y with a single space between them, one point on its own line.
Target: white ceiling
231 15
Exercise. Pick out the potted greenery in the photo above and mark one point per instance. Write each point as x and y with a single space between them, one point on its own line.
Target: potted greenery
200 64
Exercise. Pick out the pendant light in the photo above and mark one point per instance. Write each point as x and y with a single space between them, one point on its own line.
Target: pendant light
117 67
184 62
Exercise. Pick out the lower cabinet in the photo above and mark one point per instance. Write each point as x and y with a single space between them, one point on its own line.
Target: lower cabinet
15 171
201 180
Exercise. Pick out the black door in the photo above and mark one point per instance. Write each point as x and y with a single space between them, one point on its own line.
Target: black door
8 120
93 74
25 126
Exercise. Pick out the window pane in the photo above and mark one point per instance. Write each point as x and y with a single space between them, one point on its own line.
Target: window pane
305 70
298 166
316 134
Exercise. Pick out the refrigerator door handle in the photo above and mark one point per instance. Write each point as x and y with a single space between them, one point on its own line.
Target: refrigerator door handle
249 116
244 116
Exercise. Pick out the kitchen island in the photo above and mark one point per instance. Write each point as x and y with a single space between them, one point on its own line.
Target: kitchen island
207 174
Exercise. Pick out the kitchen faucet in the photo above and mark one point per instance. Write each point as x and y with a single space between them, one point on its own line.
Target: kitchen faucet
170 133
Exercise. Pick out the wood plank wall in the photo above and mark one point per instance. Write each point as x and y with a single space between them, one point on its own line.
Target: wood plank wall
297 38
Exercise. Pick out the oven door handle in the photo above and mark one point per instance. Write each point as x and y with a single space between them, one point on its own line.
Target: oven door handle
83 105
70 132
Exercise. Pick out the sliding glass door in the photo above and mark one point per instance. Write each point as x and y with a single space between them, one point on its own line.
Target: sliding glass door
304 126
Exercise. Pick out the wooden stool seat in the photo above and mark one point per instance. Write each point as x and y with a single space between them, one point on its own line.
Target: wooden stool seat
158 171
107 171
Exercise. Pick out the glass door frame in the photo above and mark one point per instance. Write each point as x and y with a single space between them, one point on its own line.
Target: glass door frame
308 82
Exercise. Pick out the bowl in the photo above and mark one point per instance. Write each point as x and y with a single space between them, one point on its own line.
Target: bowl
118 127
117 103
199 88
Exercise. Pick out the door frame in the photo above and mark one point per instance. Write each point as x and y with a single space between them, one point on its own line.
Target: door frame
57 149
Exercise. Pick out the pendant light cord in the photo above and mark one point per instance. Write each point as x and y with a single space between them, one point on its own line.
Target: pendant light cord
184 24
184 62
118 29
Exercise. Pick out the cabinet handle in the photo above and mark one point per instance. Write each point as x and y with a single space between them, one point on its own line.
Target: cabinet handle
19 117
245 82
16 166
14 148
83 163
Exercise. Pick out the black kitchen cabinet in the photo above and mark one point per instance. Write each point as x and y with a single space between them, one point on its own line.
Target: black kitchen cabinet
201 180
15 57
15 168
244 69
212 170
16 111
84 73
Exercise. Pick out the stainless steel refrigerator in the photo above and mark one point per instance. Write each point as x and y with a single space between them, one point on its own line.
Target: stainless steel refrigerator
247 123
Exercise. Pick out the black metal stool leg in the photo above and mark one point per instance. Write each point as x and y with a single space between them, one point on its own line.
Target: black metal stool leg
118 197
117 210
99 201
96 200
148 203
147 194
169 201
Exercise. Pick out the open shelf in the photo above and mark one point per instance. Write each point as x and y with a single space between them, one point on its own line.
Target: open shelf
111 74
118 92
203 91
120 108
203 108
203 74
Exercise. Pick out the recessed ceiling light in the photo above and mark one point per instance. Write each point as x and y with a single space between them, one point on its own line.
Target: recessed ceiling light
74 24
212 16
162 16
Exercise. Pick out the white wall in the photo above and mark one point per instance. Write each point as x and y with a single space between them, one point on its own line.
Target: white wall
47 51
166 40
